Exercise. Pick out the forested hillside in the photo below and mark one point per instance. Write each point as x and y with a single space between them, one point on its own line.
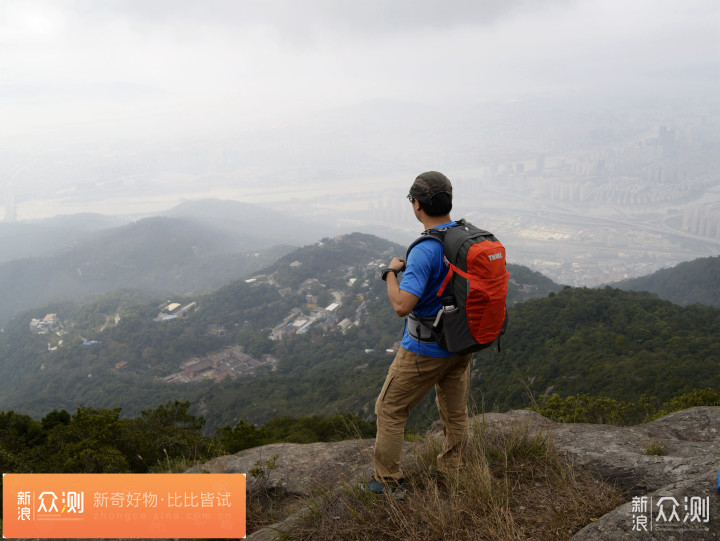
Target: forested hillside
691 282
160 255
603 342
313 333
116 350
22 240
197 246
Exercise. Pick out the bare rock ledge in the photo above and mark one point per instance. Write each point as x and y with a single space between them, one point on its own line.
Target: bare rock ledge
688 468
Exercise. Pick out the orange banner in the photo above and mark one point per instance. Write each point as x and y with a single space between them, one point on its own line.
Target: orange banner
119 505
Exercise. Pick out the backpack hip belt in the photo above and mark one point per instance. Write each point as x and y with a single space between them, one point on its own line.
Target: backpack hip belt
421 328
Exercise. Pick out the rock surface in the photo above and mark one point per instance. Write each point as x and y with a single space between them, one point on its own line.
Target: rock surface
298 468
686 470
299 471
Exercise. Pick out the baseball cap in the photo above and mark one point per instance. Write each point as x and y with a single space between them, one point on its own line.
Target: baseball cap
429 184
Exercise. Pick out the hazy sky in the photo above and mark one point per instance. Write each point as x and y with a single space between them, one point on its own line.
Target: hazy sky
130 106
63 59
93 90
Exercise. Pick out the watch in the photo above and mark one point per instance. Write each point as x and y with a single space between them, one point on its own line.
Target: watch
387 271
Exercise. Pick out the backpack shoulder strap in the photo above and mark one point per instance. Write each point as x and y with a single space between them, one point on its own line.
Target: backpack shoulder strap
423 237
437 234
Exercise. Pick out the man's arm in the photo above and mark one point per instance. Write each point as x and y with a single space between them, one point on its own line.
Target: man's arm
402 301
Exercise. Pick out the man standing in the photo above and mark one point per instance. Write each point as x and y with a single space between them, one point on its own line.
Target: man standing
420 363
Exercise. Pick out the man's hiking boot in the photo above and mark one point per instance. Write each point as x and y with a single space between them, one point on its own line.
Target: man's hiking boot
376 487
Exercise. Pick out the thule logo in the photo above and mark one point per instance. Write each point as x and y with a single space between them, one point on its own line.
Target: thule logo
493 257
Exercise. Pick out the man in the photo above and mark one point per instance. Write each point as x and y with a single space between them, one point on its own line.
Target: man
420 363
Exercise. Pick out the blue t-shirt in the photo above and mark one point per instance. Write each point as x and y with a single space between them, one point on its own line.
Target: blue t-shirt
423 276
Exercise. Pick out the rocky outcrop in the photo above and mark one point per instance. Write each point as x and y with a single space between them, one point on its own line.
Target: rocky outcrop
688 442
298 468
678 483
683 478
296 471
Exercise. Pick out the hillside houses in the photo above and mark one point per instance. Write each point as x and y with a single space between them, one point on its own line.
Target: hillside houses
350 284
230 362
174 310
46 325
299 323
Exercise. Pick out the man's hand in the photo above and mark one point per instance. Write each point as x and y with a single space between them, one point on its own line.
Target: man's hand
397 264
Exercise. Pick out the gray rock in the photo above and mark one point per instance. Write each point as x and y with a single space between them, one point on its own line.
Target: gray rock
686 470
623 522
299 468
299 471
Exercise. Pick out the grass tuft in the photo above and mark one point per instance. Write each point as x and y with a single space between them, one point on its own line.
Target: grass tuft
513 485
655 448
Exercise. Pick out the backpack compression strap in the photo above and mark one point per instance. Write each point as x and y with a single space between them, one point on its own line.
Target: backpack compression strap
452 269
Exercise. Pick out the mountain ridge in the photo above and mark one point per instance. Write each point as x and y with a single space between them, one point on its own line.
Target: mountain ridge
164 255
691 282
195 246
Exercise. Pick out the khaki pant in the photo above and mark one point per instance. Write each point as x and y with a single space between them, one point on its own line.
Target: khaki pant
409 379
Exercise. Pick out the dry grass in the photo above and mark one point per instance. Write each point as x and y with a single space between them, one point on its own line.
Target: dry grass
269 507
514 485
655 448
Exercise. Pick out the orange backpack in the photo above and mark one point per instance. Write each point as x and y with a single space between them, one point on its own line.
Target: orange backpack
474 291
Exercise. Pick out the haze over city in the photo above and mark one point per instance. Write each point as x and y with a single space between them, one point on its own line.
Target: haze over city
584 134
